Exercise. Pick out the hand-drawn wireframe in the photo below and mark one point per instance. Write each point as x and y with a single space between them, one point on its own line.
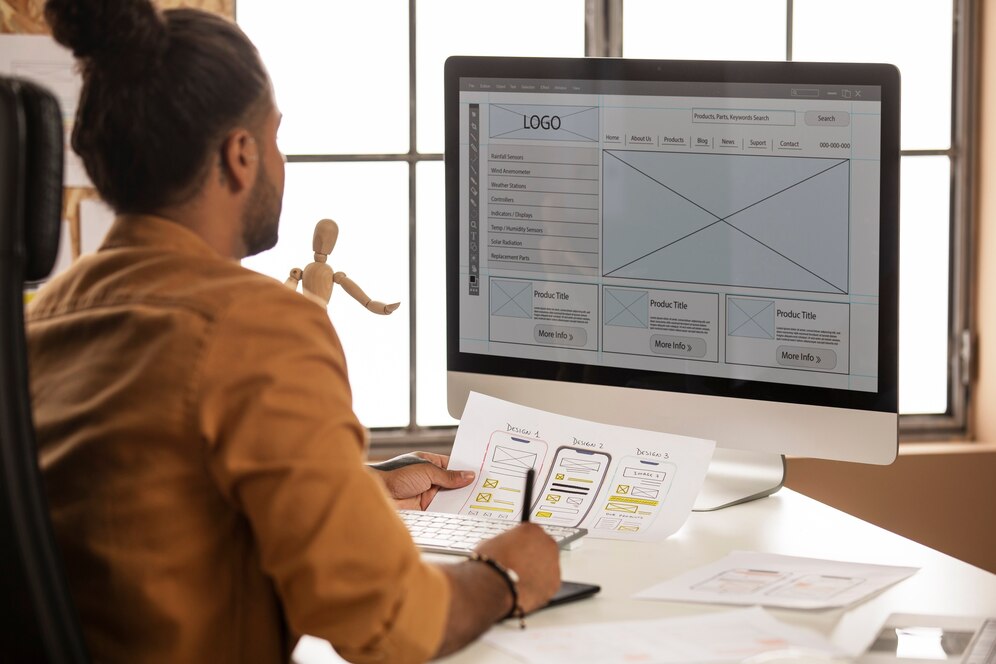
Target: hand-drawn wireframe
732 220
511 298
815 586
636 494
749 317
497 493
548 123
625 307
318 277
571 487
742 581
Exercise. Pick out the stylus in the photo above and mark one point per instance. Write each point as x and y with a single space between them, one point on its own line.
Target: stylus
527 495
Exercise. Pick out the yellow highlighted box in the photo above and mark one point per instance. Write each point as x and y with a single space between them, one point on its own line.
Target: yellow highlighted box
634 501
489 508
545 515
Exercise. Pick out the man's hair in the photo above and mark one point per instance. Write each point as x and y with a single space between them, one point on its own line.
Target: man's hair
160 90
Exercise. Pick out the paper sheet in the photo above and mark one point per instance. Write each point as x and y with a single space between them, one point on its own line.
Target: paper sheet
40 59
617 482
730 636
767 579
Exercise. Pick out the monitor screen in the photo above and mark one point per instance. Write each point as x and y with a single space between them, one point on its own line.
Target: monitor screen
723 229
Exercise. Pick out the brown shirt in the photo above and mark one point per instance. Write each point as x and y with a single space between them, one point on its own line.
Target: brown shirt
204 467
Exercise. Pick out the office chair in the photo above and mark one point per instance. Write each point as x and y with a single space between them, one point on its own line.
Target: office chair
38 622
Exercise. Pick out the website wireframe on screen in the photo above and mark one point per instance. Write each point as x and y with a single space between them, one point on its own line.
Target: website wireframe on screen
726 230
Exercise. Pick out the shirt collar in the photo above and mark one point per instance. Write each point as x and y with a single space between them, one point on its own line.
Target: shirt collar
141 230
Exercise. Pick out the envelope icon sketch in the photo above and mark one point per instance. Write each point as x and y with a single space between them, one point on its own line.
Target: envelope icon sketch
559 476
552 498
510 457
622 507
580 465
484 497
629 529
644 493
575 500
622 489
490 484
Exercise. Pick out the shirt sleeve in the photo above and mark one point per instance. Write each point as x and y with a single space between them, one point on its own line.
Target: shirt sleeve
286 449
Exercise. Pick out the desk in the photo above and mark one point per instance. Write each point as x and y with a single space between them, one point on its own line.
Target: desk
787 523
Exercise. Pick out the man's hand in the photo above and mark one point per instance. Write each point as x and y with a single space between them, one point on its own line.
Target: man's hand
480 596
412 480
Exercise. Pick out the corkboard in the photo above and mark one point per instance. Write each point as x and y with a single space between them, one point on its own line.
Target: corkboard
26 17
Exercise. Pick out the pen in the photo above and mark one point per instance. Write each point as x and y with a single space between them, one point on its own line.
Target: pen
527 495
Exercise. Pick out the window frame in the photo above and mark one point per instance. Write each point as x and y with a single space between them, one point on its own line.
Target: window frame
604 38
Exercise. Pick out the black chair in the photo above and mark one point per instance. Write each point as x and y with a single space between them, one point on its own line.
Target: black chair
38 622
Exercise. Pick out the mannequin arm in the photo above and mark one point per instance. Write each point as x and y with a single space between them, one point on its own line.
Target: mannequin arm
357 294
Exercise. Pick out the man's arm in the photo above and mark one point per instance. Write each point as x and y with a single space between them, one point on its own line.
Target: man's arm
480 597
413 480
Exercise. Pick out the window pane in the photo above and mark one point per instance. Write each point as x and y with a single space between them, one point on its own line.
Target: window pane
340 70
472 27
917 40
705 30
370 203
430 326
923 284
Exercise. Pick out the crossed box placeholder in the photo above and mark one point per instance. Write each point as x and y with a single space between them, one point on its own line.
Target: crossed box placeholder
732 220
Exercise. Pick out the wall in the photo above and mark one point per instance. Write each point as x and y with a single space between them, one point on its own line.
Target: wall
27 17
939 494
984 414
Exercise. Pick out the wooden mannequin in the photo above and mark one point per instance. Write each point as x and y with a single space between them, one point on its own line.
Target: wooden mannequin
318 278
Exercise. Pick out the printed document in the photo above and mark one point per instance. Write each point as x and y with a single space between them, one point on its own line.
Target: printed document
730 636
768 579
618 482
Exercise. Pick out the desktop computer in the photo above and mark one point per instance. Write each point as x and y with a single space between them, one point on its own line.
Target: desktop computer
702 248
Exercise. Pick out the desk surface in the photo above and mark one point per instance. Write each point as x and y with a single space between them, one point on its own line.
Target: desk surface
786 523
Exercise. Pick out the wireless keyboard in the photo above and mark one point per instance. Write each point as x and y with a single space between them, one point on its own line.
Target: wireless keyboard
438 532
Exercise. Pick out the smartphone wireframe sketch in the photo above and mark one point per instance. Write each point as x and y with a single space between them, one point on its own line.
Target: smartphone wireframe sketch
574 480
497 493
635 494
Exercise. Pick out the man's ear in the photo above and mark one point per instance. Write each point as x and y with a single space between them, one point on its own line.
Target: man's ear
239 160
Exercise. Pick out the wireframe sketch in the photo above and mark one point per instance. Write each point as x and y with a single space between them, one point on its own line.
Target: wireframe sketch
513 299
626 307
571 487
747 317
498 491
732 220
549 123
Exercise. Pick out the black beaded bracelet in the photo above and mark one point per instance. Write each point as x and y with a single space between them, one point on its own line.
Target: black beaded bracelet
511 580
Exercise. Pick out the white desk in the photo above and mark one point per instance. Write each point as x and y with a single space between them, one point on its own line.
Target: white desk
787 523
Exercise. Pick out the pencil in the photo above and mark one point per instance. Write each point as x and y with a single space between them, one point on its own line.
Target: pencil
527 494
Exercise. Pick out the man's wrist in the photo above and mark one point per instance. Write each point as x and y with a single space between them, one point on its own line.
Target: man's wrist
396 463
511 580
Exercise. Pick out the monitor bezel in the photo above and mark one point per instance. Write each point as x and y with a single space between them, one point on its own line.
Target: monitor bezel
885 399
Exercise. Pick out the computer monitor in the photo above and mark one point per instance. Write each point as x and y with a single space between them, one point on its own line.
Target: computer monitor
703 248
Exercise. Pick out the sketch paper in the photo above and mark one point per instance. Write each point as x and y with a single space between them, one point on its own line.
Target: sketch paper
768 579
730 636
618 482
40 59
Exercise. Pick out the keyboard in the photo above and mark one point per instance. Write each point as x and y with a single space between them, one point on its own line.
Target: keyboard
438 532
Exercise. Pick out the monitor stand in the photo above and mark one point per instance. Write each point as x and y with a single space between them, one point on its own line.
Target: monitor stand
739 476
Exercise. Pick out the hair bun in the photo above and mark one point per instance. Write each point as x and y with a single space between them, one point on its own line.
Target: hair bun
130 31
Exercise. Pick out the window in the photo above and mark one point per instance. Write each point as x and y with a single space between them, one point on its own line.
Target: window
360 86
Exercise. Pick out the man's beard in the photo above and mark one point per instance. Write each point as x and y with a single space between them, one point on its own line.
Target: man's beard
261 219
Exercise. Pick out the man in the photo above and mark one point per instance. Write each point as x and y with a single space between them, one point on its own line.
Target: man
203 464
